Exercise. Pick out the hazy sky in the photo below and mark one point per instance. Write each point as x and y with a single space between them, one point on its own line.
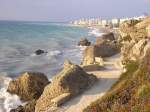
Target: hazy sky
64 10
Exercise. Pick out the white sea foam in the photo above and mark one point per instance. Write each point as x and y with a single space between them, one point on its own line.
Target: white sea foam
54 53
96 32
82 48
7 101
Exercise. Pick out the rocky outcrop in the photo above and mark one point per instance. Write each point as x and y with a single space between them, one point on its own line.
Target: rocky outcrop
134 38
29 107
108 36
103 49
134 30
69 82
143 24
84 42
135 51
28 86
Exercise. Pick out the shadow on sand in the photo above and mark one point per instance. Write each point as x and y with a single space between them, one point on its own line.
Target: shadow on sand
98 89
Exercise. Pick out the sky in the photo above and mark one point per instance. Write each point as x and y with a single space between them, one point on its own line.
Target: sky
66 10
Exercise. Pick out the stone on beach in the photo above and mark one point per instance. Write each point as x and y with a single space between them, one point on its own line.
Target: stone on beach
69 82
28 86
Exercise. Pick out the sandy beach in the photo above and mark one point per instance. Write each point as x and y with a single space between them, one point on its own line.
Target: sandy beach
105 77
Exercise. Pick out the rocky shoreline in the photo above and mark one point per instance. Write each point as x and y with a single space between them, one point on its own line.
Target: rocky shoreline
42 95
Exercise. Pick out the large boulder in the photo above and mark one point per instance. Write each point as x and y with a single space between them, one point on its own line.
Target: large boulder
84 42
108 36
28 86
103 49
69 82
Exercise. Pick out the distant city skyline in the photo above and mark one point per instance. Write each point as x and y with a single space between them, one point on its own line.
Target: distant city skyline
67 10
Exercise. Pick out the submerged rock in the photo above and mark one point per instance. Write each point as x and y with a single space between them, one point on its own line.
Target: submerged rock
28 86
39 52
84 42
69 82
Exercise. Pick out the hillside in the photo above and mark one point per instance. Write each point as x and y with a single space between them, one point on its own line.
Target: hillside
131 93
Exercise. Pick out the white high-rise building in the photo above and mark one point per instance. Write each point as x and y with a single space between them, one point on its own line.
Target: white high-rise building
115 22
104 22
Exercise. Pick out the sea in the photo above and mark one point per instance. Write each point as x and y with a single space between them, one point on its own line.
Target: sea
18 42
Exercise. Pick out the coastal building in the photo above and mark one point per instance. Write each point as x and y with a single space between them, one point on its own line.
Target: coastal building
115 22
140 17
148 31
104 23
124 19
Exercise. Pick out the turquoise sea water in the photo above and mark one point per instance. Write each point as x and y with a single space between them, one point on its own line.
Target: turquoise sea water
19 40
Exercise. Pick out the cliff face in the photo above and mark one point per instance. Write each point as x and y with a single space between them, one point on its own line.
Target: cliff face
131 93
134 39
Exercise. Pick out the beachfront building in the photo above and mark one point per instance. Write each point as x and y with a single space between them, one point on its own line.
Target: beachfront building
104 23
148 31
124 19
139 17
75 22
115 22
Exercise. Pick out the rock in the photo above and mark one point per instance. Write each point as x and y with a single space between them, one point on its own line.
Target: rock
145 63
135 50
134 30
100 41
29 107
99 61
125 51
93 67
105 49
39 52
138 49
148 30
69 82
108 36
28 86
60 99
84 42
143 24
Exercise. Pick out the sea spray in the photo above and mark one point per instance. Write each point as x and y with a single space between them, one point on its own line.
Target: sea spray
7 100
96 32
